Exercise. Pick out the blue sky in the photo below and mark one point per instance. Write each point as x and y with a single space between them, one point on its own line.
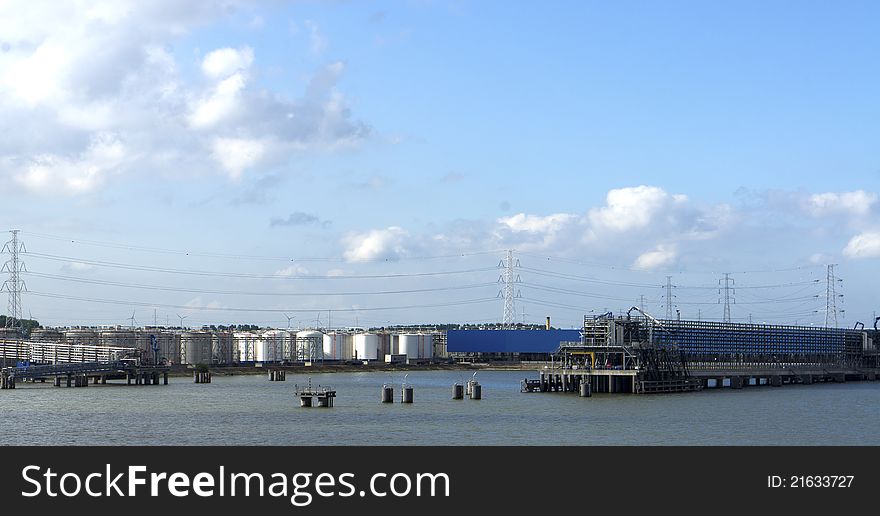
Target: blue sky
626 140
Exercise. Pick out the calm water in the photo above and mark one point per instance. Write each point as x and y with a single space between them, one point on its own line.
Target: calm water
250 410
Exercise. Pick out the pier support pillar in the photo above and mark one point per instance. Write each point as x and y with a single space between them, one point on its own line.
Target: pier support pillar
165 378
871 377
103 380
839 377
57 381
776 381
736 382
806 379
69 380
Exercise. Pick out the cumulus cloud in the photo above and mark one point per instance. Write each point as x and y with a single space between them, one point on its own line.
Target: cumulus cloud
632 208
863 245
858 202
53 173
378 244
236 155
224 62
73 78
661 256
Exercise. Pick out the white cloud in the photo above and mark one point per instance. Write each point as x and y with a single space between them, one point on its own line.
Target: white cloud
199 302
222 102
52 173
317 41
236 155
224 62
536 223
292 270
77 267
661 256
632 208
71 74
863 245
858 202
377 244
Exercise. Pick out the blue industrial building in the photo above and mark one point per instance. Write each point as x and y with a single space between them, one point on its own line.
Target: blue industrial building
535 344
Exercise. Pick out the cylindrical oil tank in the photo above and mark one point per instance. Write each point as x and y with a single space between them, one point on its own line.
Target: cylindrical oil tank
81 337
386 345
309 345
10 334
274 347
167 342
46 335
195 347
245 344
118 338
416 345
337 346
221 347
366 346
426 346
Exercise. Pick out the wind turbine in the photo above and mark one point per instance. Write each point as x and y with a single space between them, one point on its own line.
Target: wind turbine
181 317
132 319
289 318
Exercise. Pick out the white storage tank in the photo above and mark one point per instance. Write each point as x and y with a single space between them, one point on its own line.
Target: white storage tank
82 337
337 346
416 345
426 346
46 335
366 346
273 347
168 343
309 345
118 339
10 334
245 344
195 347
221 347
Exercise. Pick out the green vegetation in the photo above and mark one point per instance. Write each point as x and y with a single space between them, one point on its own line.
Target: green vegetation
27 324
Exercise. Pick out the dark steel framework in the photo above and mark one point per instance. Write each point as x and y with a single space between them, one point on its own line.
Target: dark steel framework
716 345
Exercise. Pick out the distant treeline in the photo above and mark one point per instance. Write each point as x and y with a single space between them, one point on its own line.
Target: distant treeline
27 324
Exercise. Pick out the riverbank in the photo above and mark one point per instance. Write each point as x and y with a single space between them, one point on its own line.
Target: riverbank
180 371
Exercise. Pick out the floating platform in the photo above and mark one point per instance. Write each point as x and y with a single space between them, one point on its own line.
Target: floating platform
324 395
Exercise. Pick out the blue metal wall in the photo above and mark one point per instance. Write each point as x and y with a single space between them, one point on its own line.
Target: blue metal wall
508 341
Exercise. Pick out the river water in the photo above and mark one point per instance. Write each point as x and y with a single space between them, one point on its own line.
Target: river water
250 410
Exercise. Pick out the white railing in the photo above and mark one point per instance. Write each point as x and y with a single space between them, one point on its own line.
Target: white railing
59 353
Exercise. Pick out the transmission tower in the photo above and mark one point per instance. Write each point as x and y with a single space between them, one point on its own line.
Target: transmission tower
831 296
14 285
669 297
508 279
725 284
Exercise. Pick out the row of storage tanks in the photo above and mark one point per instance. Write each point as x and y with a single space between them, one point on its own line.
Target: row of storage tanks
197 347
311 345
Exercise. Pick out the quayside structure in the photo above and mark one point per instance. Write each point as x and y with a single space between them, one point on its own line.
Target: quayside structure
637 353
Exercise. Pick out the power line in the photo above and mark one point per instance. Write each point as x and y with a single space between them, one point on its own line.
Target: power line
184 252
269 310
192 272
92 281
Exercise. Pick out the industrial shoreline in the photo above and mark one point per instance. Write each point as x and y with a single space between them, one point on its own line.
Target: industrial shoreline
185 371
